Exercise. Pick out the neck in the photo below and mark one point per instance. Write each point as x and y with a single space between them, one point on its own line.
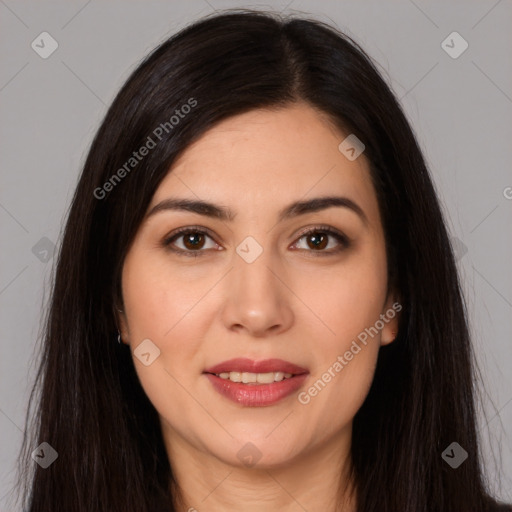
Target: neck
317 480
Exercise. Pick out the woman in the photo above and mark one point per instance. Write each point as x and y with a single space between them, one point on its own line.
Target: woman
255 225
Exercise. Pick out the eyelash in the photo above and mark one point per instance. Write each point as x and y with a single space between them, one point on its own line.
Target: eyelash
340 237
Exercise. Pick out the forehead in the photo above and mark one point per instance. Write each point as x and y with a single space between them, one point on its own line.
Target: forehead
267 159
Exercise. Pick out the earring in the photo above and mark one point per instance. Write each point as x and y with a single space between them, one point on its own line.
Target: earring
118 333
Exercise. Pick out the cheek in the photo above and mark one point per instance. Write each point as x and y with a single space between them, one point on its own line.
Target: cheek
345 299
347 343
168 308
163 306
345 363
158 299
334 396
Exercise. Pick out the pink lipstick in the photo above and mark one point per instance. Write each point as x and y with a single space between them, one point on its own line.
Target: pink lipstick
256 383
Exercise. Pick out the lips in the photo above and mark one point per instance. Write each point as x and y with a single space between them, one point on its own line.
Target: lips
256 394
250 366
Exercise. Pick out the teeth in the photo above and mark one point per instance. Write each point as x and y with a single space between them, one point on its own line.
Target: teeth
265 378
253 378
235 376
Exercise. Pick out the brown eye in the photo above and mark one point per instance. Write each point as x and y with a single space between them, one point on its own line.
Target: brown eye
320 238
317 240
193 240
189 242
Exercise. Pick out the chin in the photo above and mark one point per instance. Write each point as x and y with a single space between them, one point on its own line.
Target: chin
257 452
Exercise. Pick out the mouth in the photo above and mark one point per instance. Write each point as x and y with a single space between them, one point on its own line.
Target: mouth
256 383
254 378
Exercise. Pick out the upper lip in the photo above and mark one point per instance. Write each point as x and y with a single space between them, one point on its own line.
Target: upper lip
250 366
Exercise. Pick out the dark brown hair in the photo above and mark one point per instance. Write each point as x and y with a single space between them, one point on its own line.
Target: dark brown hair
90 405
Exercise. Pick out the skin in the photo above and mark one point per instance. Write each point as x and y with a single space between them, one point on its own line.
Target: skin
286 304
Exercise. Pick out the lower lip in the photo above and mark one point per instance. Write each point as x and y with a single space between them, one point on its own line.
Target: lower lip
256 395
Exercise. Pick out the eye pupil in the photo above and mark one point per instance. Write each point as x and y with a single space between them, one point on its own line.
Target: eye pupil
319 240
194 239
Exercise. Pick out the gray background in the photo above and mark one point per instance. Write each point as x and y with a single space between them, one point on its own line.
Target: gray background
460 109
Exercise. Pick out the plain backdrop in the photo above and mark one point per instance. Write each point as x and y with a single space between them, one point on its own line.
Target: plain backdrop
460 109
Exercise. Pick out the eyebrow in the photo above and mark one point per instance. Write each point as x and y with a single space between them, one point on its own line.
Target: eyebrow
225 214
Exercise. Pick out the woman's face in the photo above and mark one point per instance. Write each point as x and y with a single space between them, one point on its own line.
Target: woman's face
253 285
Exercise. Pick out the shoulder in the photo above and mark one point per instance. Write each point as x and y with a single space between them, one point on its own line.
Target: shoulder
500 507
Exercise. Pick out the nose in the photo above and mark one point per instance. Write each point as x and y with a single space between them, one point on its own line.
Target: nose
257 298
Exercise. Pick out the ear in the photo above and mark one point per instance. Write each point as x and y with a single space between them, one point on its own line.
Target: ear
122 325
390 317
